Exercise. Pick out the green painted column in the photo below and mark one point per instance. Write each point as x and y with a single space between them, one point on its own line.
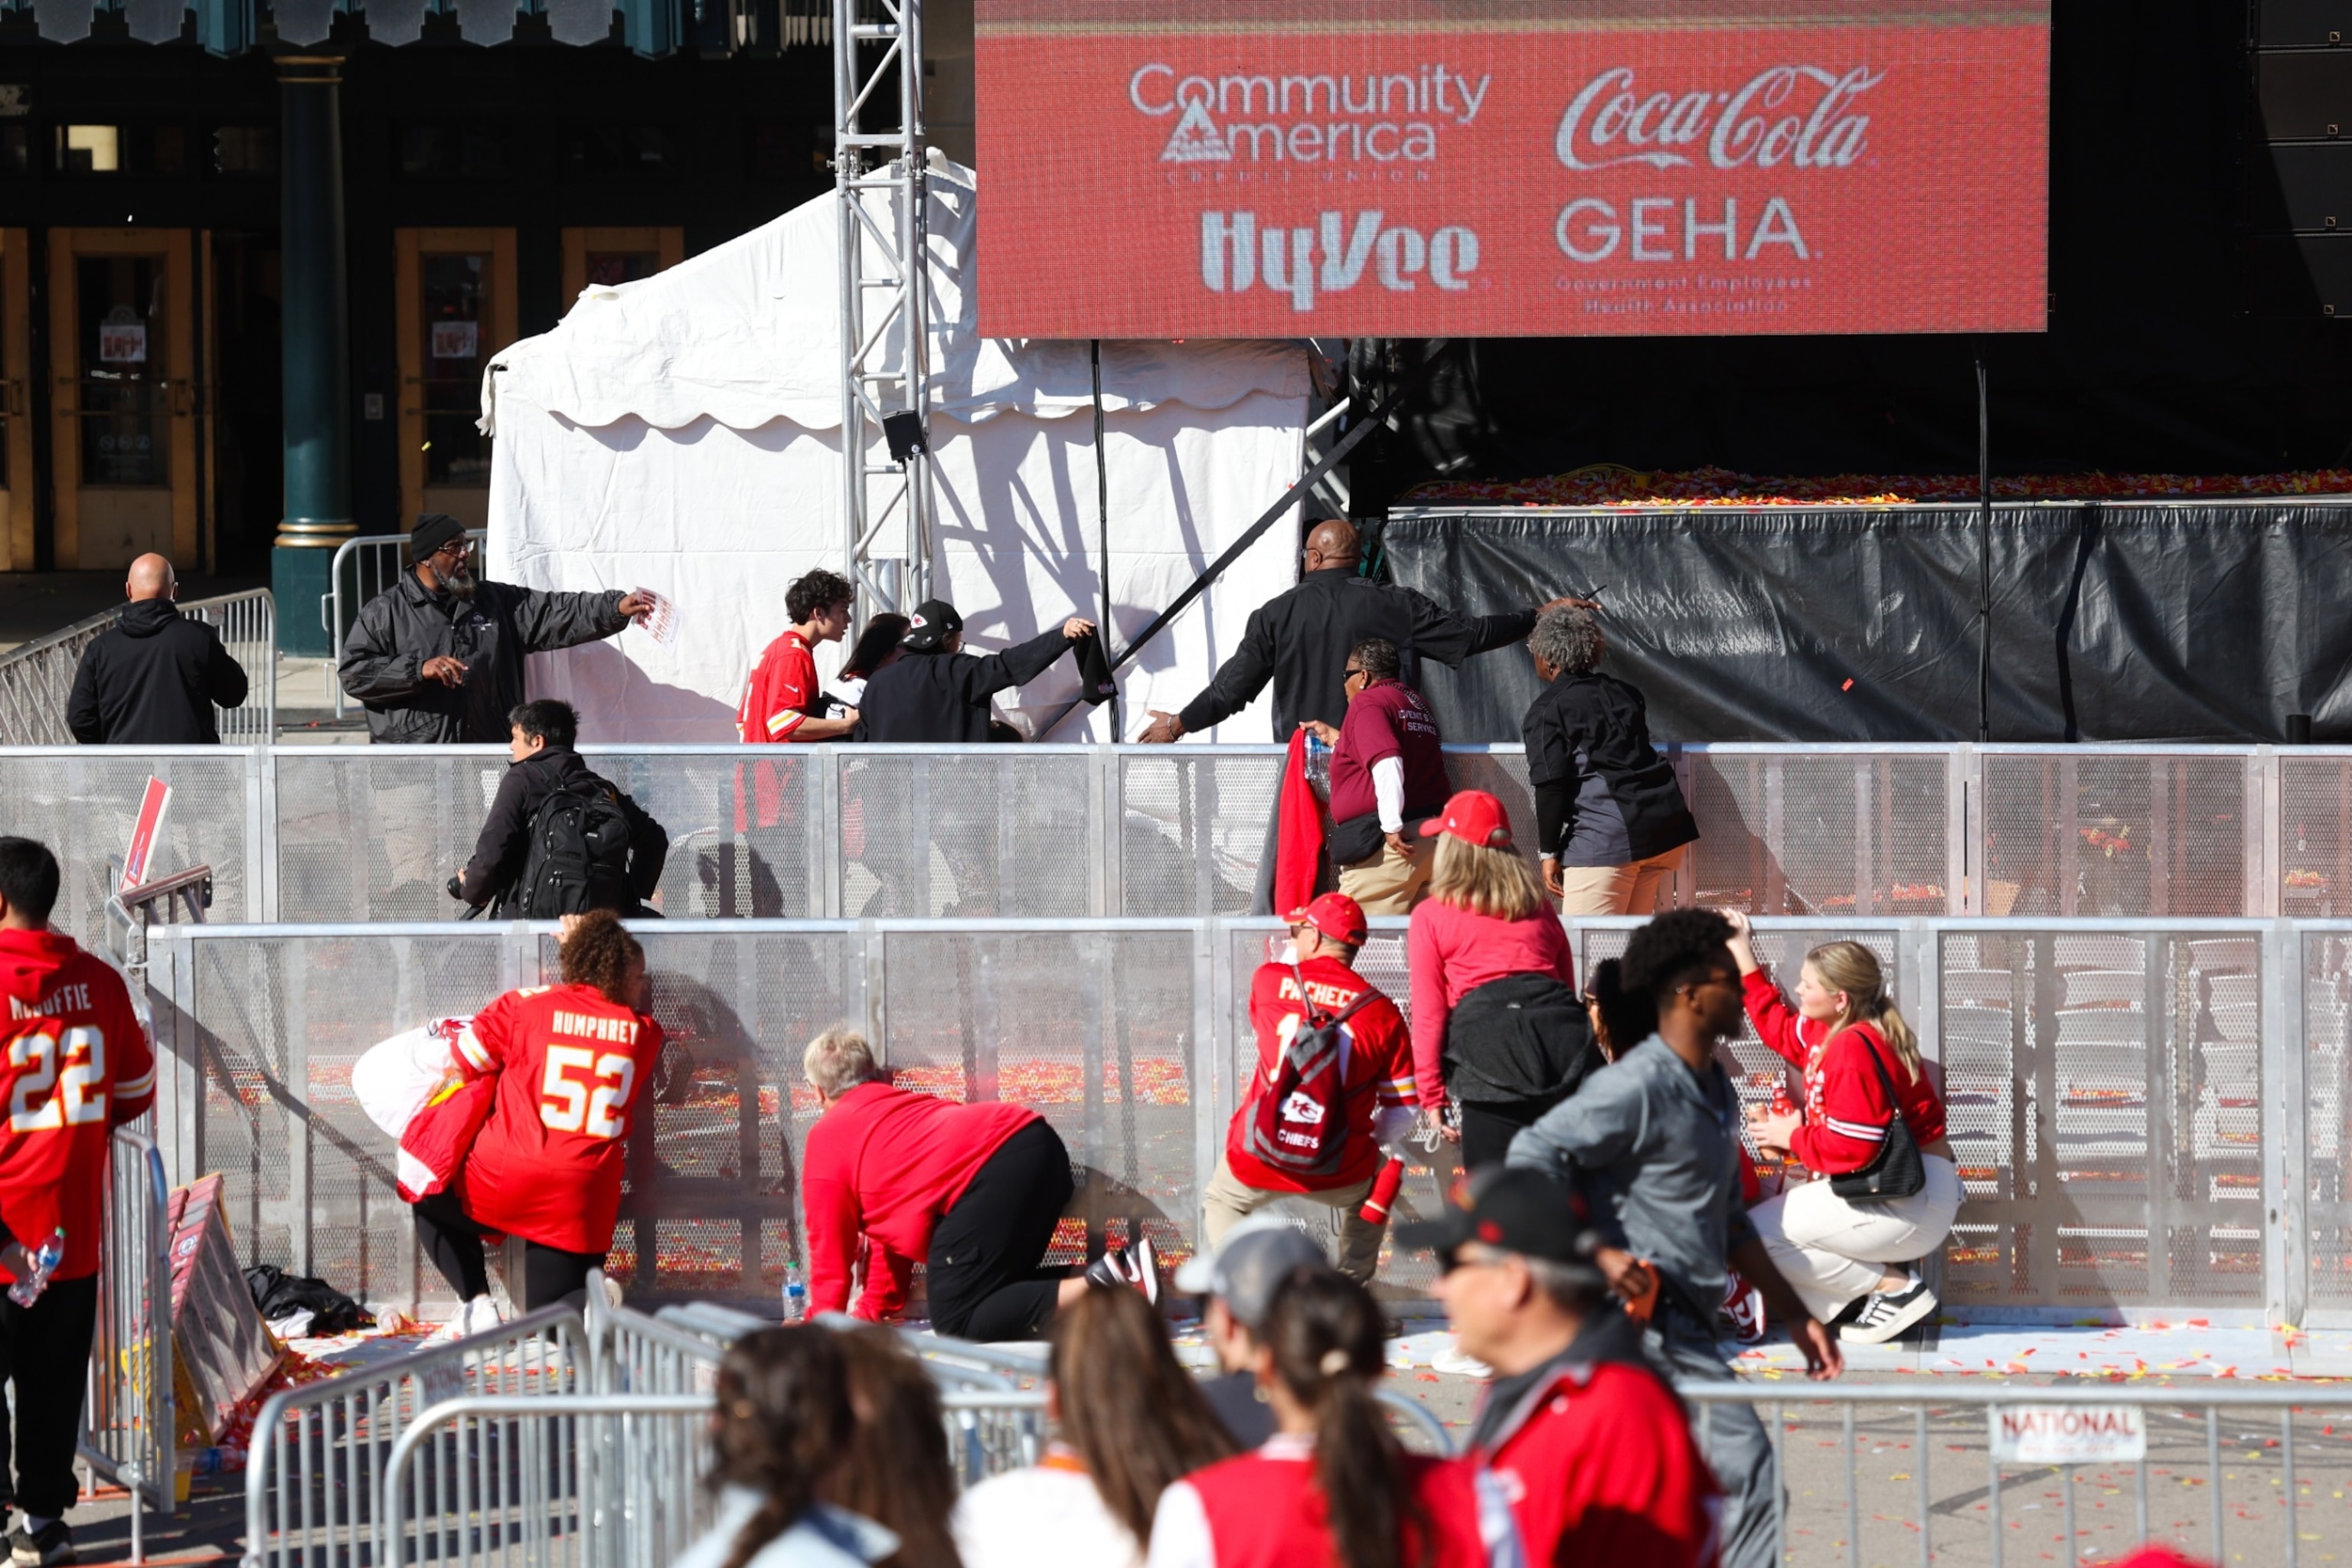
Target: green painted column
316 325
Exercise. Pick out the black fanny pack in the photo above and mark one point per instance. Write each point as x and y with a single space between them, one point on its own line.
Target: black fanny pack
1524 1037
1357 840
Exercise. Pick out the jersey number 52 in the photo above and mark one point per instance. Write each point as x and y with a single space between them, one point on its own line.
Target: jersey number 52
57 1088
597 1108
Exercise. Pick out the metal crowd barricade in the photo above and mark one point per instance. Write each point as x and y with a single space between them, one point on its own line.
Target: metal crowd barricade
1838 1523
127 1413
369 563
36 678
595 1480
638 1354
247 623
315 1479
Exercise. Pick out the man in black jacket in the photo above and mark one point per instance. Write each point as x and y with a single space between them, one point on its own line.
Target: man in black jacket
438 657
541 739
936 694
1299 640
155 678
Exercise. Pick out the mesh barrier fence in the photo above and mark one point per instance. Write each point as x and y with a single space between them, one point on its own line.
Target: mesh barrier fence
2121 1094
82 801
373 833
1193 826
2324 990
2131 832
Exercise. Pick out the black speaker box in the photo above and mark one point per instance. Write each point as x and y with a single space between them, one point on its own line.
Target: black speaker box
2303 23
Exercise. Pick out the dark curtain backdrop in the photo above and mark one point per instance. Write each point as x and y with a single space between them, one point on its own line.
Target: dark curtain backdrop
2110 622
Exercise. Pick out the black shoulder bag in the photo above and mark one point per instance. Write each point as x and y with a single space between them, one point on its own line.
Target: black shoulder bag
1895 1171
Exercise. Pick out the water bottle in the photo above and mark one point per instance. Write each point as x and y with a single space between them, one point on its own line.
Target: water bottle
28 1290
795 1294
1318 766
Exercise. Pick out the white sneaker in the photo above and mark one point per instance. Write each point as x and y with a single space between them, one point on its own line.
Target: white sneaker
1143 1269
1453 1360
1887 1313
478 1316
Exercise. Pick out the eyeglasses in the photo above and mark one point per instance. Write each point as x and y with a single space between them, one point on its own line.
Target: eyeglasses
1347 675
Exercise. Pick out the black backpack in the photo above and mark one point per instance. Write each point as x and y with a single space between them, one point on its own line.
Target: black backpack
579 856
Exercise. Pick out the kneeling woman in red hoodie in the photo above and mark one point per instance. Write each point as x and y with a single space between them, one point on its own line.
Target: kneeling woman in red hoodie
1864 1081
1332 1485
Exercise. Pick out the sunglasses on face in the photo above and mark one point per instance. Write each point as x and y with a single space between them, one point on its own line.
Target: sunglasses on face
1460 1258
1347 675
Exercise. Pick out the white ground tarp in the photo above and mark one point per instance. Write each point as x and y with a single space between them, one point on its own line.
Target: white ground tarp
683 434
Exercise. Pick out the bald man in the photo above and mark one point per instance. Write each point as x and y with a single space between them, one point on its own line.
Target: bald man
1300 639
155 678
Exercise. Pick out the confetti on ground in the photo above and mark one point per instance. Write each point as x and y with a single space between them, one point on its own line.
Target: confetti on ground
1612 485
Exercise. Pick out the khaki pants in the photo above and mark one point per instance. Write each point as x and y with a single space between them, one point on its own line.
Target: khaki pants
1629 890
1832 1250
1390 883
1226 1202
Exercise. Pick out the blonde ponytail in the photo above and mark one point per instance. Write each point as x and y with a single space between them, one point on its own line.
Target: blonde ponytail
1851 967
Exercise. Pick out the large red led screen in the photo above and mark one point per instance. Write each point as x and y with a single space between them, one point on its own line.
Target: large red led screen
1427 168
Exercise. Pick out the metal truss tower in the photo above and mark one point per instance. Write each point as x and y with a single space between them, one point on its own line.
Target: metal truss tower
879 175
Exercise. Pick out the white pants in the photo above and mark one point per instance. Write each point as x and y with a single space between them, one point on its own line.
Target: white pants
1832 1250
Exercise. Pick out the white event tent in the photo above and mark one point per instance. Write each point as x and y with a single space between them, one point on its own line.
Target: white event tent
683 434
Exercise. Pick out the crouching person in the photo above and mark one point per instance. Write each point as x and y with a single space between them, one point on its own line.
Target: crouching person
972 1191
556 1074
560 839
1333 1087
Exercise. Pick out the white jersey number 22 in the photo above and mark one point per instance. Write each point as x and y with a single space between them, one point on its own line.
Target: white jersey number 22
56 1088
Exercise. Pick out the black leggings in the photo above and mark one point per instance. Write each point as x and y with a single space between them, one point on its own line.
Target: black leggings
983 1274
1488 1127
453 1242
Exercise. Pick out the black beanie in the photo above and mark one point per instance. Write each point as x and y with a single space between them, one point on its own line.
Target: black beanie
433 529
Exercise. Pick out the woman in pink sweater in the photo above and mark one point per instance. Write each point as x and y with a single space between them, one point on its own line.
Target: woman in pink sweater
1495 1020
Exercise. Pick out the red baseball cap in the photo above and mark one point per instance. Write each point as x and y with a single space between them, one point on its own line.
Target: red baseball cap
1474 817
1336 915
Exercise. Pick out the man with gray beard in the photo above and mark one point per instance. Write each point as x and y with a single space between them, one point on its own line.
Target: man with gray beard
438 657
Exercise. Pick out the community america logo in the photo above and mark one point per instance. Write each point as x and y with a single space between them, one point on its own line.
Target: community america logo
1196 139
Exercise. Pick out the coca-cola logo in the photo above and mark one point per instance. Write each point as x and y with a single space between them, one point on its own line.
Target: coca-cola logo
1802 116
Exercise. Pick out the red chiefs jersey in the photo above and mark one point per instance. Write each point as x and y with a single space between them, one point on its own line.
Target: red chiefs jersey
1600 1467
1265 1509
782 691
77 1065
1377 1075
1847 1108
572 1068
